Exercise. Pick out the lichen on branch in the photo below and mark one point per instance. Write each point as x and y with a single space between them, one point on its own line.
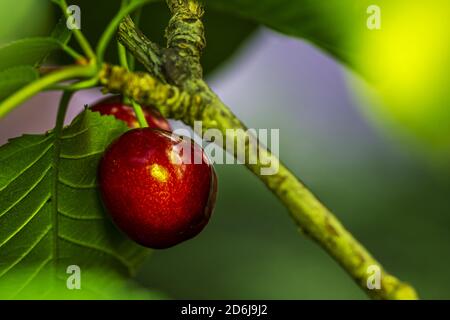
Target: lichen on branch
145 89
185 41
147 52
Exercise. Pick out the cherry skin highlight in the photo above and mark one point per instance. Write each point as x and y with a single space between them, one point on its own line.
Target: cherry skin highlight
115 106
154 193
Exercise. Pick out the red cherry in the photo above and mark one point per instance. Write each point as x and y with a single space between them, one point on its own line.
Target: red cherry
114 106
154 197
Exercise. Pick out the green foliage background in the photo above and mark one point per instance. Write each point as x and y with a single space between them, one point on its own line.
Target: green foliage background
395 204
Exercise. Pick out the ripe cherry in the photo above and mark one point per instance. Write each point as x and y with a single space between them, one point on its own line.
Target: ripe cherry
155 192
115 106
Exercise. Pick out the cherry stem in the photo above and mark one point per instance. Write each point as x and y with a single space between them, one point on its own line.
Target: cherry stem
72 52
139 114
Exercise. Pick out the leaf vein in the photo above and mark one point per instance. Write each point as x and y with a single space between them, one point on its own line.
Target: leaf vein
77 157
33 245
27 167
75 134
71 216
33 275
28 146
41 205
76 186
96 248
28 191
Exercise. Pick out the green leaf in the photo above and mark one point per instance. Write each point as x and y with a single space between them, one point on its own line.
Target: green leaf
60 32
15 78
31 51
328 24
24 18
222 42
50 213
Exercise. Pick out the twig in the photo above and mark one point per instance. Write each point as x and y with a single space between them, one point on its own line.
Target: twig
145 51
313 218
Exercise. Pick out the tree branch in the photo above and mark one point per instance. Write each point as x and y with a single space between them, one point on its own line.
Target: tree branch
185 42
145 51
191 99
313 218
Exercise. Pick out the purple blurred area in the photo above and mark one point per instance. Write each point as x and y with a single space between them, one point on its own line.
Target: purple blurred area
38 114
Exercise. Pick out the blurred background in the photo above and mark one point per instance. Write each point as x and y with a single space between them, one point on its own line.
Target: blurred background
387 190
